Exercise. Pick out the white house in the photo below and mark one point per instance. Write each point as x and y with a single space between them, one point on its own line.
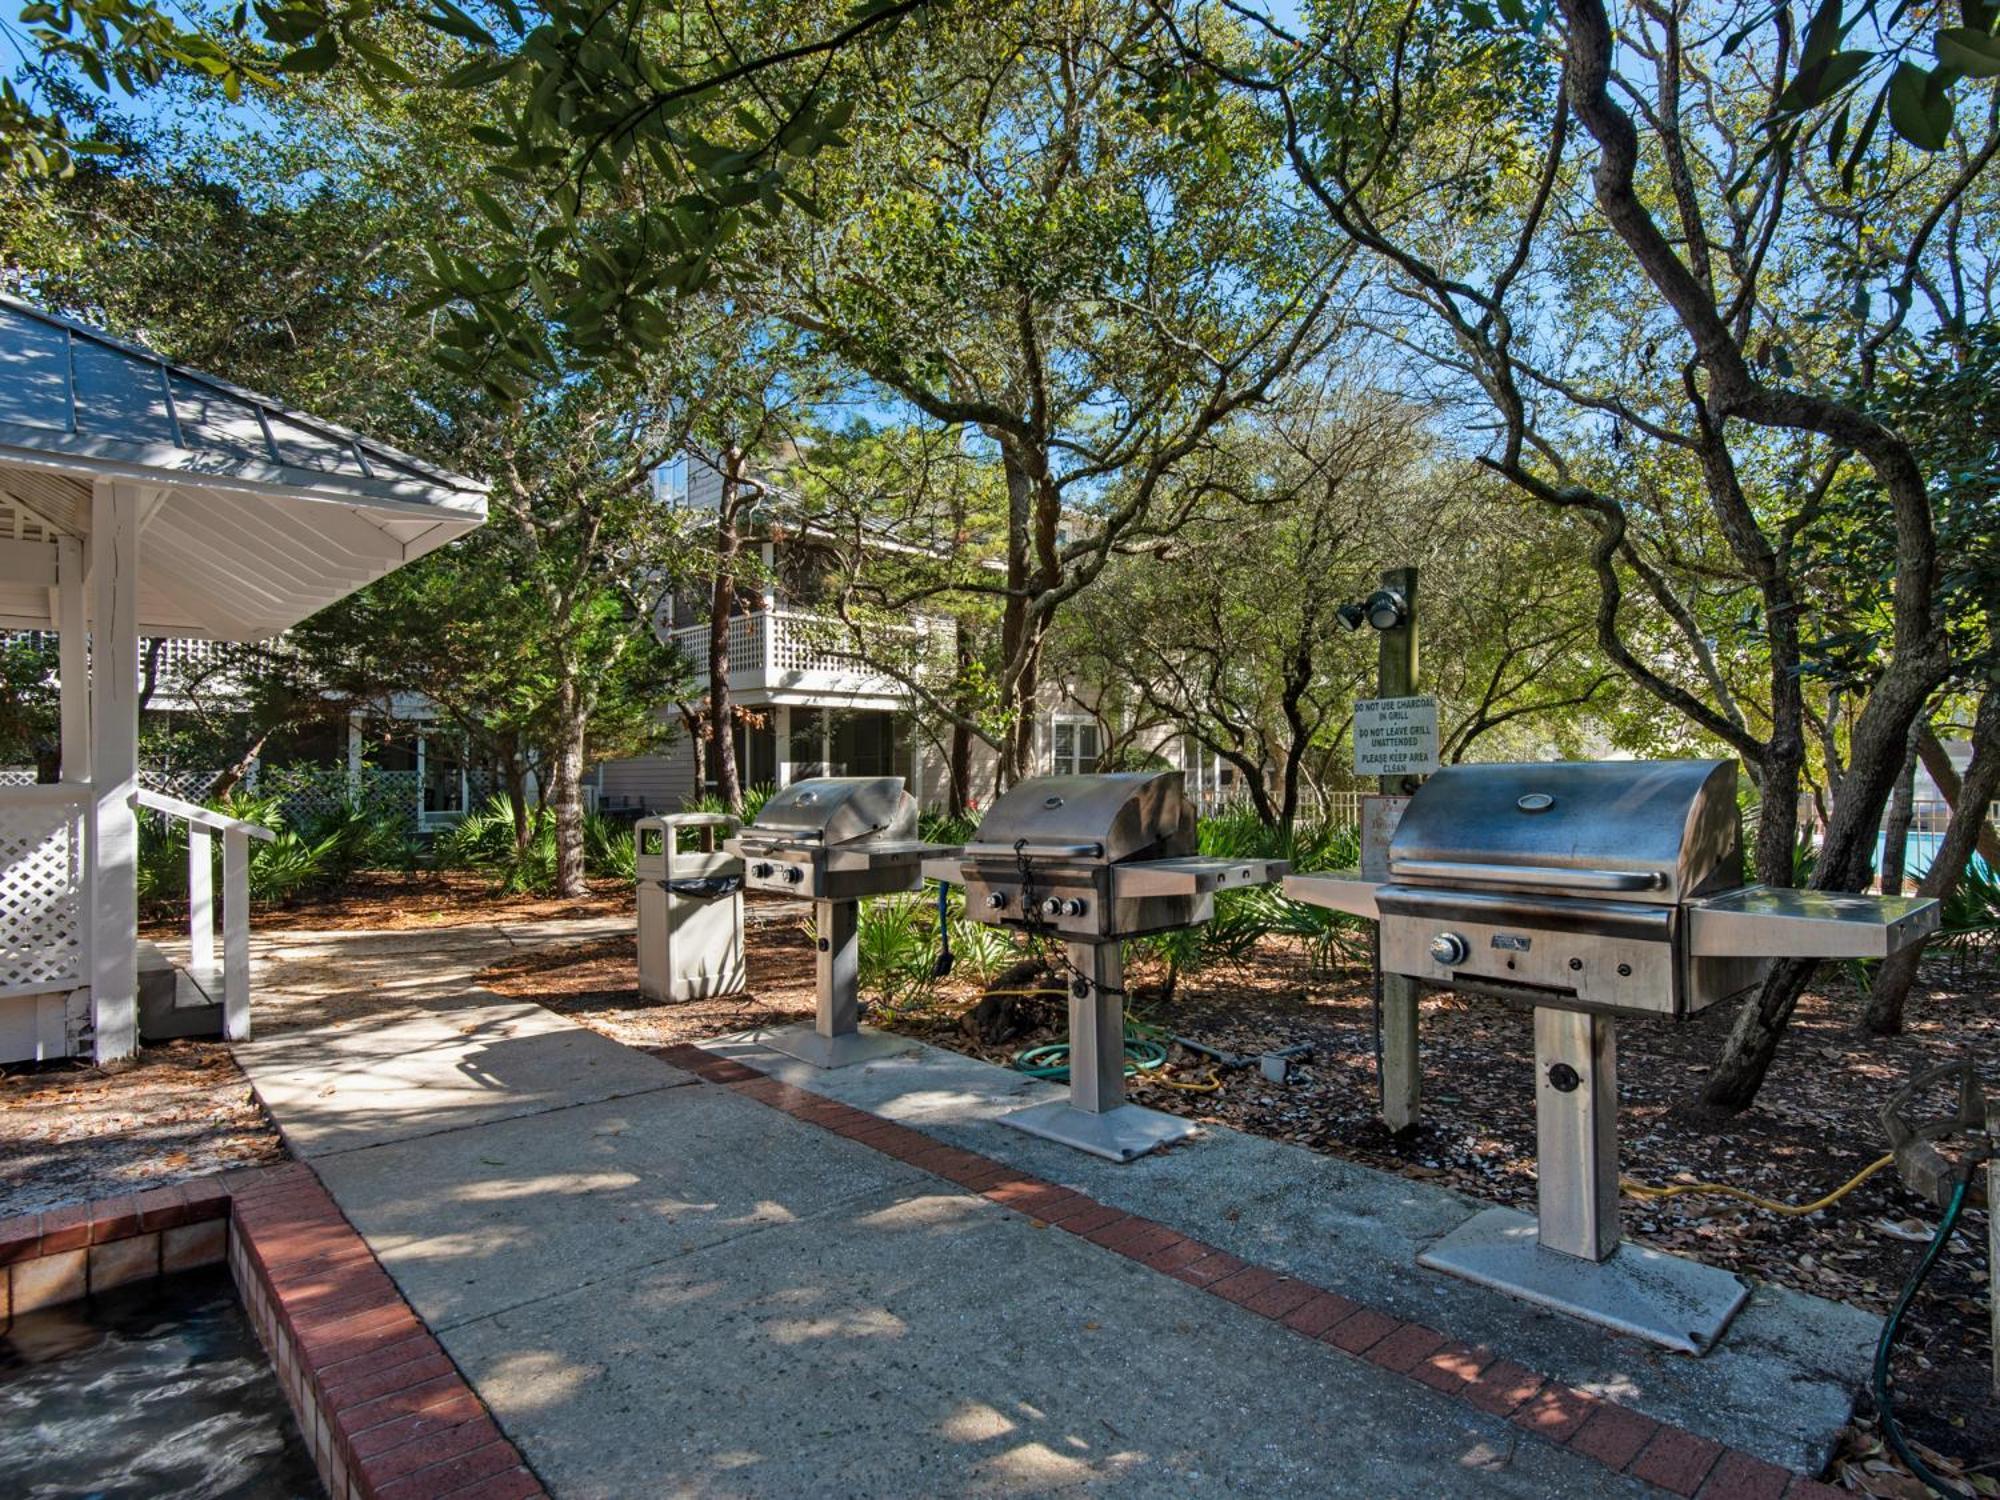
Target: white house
818 706
141 499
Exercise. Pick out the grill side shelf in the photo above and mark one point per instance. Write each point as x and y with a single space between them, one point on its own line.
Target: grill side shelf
1194 876
1347 891
1765 922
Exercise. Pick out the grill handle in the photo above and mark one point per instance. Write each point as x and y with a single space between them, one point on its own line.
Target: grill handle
1034 851
1542 876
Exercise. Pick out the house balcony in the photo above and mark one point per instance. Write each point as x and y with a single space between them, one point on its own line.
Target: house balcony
781 656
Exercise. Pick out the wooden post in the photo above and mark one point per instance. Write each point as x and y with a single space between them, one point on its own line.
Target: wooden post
201 901
73 658
235 935
114 764
1402 1071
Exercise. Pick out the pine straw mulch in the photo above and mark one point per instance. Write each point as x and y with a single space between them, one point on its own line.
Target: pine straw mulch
1813 1126
69 1131
390 901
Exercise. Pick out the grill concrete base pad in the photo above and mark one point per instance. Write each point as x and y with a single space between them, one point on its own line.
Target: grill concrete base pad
807 1045
1678 1303
1121 1134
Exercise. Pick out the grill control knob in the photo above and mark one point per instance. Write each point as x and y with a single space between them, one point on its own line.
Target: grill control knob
762 872
1053 906
1072 907
1449 949
997 900
793 874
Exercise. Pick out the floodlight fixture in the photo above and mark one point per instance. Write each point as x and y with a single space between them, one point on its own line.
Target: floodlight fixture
1387 609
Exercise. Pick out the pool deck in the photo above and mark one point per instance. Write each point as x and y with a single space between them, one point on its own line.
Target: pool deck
721 1272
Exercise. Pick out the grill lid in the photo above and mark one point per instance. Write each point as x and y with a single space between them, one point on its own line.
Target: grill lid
1104 819
1640 830
828 811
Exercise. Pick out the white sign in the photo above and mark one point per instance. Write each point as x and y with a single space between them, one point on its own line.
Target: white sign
1395 736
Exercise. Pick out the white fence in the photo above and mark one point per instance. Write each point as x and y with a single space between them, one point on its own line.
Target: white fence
1334 807
42 883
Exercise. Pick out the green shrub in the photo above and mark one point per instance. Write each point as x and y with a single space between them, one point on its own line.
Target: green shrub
321 854
754 798
483 841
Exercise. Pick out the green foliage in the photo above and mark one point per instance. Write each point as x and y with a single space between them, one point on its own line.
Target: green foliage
317 856
1970 921
483 840
30 712
754 798
1245 917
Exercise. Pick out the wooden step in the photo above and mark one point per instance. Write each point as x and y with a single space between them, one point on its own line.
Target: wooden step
173 1002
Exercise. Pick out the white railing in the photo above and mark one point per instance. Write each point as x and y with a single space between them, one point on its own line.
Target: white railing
787 642
44 943
1333 807
203 824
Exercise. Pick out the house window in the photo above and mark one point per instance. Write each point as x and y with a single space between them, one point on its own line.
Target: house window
1076 747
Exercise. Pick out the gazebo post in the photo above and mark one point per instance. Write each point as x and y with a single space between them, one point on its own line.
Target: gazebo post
73 659
114 764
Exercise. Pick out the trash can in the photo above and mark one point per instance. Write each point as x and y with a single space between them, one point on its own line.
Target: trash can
690 908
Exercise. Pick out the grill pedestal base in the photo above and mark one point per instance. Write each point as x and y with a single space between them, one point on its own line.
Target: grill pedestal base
1680 1304
1095 1117
843 1051
1120 1134
835 1039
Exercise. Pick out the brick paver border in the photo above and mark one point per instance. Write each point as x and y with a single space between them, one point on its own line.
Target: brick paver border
380 1404
1625 1441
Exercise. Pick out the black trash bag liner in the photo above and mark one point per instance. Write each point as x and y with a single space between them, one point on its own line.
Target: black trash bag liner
707 886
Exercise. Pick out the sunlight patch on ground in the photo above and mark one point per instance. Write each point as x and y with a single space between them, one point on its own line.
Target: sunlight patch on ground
862 1323
975 1422
535 1378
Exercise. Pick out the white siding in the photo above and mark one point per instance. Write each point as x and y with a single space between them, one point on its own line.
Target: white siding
663 783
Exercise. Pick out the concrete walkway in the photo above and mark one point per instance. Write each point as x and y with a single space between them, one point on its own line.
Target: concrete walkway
664 1288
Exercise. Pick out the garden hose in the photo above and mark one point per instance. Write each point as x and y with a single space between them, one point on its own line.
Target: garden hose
1880 1384
1648 1194
1143 1054
942 966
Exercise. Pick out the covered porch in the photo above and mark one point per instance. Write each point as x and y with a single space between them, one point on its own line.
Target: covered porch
142 499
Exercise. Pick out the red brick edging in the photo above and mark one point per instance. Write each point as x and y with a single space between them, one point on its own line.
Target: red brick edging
1621 1439
383 1409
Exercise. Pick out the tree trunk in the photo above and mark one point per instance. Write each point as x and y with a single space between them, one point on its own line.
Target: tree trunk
1845 854
721 715
1890 992
226 783
565 793
1937 761
515 769
960 769
1896 827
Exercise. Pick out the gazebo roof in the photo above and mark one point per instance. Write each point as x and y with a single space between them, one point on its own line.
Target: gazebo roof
256 515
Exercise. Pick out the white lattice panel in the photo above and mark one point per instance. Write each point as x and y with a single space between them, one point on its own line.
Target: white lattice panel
746 644
41 896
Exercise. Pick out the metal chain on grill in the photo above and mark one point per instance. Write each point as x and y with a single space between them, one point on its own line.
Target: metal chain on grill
1041 935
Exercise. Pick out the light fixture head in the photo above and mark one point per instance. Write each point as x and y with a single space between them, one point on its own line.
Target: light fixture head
1352 616
1387 609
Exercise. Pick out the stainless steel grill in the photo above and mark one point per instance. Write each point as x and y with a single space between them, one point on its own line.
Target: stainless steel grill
1088 861
1590 891
835 840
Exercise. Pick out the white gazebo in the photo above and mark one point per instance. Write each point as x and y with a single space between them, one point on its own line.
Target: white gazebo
139 499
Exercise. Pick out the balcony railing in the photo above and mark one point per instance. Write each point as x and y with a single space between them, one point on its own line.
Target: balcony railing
776 648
